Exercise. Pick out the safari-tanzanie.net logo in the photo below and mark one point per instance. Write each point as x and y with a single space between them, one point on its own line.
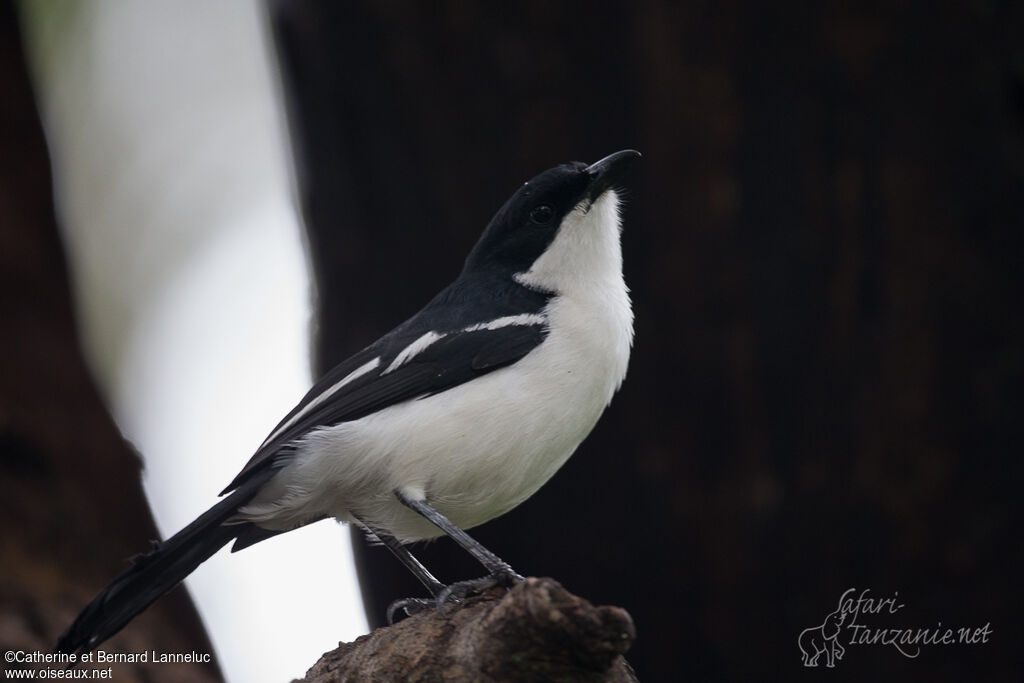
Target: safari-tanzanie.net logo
847 627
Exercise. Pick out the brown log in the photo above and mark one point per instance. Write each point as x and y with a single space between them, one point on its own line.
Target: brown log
537 631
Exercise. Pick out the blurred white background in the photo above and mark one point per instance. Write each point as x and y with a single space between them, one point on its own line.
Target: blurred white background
174 191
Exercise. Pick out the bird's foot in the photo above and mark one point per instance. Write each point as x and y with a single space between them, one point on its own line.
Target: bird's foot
460 590
411 606
455 593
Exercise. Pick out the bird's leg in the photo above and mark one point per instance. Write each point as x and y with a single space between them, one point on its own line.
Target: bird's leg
499 573
409 605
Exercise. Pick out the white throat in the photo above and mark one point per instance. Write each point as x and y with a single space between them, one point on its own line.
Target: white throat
591 309
585 253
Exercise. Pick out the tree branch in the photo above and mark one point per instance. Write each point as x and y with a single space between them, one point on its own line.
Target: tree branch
535 631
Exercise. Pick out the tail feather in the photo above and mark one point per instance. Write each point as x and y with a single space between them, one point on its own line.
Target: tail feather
155 573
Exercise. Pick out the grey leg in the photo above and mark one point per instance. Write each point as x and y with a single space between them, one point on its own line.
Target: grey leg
405 557
499 572
410 561
410 605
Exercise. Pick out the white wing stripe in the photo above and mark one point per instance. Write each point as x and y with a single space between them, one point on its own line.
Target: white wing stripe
355 374
507 321
412 350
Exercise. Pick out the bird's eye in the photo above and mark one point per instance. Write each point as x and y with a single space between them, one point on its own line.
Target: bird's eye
542 214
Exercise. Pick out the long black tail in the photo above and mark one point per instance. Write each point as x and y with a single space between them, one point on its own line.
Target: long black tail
153 574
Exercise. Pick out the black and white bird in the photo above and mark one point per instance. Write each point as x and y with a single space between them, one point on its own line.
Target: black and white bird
453 418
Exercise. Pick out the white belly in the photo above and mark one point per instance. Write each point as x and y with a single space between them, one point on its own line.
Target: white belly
474 457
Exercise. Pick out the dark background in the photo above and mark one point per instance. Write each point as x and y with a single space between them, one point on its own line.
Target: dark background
823 242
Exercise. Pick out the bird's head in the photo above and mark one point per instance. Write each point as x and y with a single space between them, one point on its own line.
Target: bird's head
560 228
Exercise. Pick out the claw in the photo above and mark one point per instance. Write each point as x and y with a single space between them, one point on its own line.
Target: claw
442 598
460 590
413 606
455 593
410 606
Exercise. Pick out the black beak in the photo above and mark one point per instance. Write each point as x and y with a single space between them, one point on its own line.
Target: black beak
609 171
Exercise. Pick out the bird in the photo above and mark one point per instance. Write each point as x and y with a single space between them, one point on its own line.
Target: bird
451 419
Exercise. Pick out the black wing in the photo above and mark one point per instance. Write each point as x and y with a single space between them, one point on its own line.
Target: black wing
456 358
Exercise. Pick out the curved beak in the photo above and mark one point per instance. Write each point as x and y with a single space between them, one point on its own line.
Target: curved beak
609 171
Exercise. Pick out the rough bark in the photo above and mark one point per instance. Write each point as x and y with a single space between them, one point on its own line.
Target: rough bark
537 631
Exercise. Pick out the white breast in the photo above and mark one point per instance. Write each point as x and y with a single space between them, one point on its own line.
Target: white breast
483 447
